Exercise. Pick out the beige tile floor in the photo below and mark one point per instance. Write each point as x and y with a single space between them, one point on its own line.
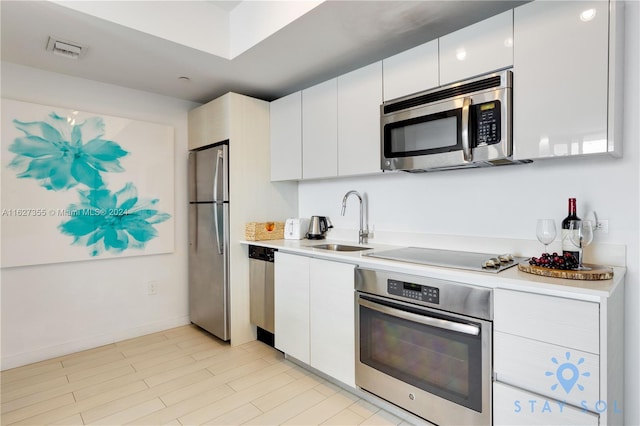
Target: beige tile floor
181 376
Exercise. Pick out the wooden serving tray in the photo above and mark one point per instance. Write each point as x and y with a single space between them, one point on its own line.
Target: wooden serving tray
597 272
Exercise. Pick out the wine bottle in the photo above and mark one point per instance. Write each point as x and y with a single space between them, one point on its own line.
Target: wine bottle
567 244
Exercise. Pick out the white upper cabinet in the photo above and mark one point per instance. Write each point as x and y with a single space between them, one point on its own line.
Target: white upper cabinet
411 71
286 138
320 130
478 49
359 99
560 79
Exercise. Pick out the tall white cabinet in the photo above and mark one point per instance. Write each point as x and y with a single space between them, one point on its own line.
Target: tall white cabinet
244 122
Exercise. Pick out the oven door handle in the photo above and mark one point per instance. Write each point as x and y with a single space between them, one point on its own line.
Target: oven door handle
426 320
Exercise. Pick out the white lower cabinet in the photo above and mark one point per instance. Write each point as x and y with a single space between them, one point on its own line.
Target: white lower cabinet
555 371
314 314
555 359
513 406
291 305
558 320
332 314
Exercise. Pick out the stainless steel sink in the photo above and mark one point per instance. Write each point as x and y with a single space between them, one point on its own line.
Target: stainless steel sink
339 247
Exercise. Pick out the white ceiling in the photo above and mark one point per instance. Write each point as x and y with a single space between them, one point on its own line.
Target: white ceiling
334 38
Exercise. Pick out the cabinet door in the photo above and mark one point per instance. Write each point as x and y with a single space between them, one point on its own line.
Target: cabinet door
291 305
333 319
411 71
209 123
551 370
477 49
565 322
560 79
320 130
513 406
286 137
359 99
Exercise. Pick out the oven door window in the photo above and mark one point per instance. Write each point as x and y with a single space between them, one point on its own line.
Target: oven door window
430 134
439 361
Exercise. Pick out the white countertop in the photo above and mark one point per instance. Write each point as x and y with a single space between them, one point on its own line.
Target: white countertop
511 278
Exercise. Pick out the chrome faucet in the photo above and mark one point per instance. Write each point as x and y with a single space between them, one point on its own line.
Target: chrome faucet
363 234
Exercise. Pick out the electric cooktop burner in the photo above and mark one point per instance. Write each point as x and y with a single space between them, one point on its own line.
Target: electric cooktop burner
483 262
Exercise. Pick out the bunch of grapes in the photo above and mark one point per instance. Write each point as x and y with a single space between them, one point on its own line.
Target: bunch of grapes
555 261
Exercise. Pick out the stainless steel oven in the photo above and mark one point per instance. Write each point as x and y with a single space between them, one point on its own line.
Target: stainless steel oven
425 345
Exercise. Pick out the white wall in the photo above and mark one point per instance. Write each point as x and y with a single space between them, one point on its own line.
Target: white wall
504 202
51 310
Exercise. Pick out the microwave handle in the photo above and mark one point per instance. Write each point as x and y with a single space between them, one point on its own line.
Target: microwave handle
466 146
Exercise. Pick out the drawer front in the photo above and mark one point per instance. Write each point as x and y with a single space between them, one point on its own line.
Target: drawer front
513 406
553 371
566 322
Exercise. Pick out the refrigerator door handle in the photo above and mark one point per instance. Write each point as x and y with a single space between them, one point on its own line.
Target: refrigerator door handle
218 170
217 226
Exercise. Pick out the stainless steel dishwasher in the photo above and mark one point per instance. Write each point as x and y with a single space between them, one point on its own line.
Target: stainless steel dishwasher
261 269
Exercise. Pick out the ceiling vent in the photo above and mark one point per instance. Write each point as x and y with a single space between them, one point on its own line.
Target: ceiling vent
66 48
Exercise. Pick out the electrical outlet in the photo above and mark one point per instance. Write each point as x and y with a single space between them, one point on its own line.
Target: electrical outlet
152 288
602 226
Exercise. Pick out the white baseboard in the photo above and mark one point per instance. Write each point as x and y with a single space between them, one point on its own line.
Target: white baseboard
90 342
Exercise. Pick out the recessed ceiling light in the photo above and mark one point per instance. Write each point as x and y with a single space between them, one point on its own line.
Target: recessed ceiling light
185 79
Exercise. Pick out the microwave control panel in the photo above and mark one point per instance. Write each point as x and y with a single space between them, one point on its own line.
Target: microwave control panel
413 291
487 123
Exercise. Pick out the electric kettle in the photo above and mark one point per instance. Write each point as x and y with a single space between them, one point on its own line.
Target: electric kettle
318 227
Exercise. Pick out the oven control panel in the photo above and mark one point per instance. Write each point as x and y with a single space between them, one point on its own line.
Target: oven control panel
413 291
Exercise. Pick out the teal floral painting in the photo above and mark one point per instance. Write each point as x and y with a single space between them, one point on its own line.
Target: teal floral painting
112 221
61 154
79 186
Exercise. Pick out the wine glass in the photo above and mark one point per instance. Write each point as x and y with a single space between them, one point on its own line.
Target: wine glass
546 232
581 235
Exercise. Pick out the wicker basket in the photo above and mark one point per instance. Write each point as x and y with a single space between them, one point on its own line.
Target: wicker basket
256 231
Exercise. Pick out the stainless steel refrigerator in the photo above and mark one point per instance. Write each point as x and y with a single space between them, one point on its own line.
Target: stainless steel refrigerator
209 239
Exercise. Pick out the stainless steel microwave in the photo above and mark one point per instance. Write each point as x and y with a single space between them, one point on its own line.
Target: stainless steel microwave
465 124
